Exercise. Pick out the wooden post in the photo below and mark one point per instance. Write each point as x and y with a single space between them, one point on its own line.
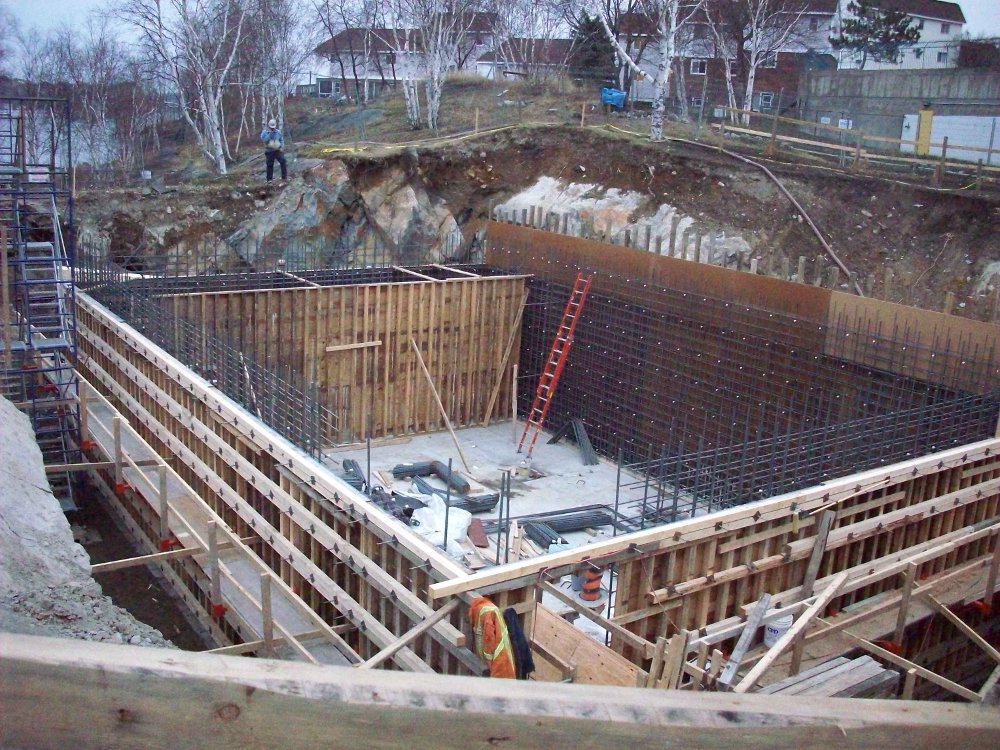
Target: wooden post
856 164
83 400
513 400
904 603
937 178
5 312
583 114
674 221
164 507
437 399
213 565
800 273
772 144
786 268
476 129
697 247
991 577
267 621
117 432
949 303
979 177
746 639
909 682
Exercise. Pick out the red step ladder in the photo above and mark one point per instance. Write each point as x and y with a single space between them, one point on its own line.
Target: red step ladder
555 362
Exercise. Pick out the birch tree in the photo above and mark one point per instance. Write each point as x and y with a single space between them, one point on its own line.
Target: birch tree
435 32
750 33
665 18
195 43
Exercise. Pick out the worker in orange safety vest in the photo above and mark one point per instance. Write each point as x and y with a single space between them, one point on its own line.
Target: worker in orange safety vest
492 641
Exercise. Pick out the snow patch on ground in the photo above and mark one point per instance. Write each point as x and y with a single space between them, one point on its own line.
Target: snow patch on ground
45 583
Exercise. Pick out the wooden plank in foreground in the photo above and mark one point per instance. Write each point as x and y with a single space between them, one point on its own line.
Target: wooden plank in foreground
56 694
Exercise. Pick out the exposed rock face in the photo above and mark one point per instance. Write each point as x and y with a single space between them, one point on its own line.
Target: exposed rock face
45 583
390 213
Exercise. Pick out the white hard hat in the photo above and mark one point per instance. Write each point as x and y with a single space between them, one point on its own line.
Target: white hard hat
272 124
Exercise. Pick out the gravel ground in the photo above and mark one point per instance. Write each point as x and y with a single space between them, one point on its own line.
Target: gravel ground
45 582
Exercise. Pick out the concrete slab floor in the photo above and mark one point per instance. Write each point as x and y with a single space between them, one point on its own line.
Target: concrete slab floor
560 480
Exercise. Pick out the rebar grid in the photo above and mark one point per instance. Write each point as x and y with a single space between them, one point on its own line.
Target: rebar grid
279 396
719 403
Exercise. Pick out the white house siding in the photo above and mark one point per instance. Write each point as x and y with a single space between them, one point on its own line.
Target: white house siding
960 130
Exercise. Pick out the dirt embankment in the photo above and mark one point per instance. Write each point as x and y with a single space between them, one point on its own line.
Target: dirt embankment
906 243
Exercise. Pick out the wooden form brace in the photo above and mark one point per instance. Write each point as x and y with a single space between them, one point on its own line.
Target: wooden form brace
154 494
225 447
272 536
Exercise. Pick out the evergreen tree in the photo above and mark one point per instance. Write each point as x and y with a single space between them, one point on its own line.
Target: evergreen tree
879 35
593 55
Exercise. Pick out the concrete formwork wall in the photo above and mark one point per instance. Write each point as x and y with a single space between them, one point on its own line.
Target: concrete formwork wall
352 564
460 326
876 101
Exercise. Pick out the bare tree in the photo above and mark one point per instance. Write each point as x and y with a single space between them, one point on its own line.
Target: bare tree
8 30
750 33
91 60
357 42
435 32
524 34
194 43
665 19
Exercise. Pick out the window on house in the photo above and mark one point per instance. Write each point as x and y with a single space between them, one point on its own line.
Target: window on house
766 100
734 67
813 24
918 53
771 61
942 58
946 28
696 102
920 23
699 67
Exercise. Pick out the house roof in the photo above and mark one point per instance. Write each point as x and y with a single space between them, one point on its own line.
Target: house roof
641 24
531 51
383 39
935 9
367 40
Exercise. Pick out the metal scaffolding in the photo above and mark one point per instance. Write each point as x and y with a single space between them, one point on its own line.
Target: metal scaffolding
36 229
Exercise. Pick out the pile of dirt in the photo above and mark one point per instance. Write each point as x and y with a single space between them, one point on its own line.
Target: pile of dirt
45 583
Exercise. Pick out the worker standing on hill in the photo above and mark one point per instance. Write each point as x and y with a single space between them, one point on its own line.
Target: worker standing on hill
492 641
274 144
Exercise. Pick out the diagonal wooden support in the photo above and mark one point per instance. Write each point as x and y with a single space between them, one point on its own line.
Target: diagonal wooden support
809 582
746 640
411 635
926 674
964 627
793 632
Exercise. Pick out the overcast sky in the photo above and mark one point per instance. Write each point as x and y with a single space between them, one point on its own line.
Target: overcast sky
983 16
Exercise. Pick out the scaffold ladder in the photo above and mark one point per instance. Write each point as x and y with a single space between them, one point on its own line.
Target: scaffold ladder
555 363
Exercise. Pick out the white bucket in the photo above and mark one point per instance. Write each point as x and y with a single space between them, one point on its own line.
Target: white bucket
777 628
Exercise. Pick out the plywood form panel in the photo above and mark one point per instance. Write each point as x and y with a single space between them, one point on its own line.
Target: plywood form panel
459 325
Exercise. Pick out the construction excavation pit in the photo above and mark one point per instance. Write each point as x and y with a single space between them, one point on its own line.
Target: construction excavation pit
373 486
